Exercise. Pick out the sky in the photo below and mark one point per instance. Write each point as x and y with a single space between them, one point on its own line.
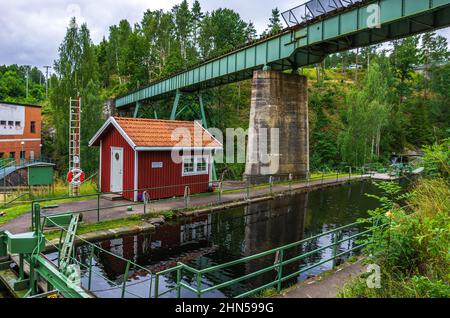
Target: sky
32 30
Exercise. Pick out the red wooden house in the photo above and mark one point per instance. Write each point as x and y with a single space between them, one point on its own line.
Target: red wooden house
138 155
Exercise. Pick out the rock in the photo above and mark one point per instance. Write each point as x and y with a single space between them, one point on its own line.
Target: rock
158 221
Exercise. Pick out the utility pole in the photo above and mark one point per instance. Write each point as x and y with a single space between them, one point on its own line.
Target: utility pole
27 67
46 80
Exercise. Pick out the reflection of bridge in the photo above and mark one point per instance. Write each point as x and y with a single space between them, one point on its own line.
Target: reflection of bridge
316 29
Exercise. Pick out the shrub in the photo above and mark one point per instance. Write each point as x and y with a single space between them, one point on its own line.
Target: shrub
413 249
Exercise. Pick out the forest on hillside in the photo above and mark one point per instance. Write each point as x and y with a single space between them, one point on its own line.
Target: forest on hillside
397 101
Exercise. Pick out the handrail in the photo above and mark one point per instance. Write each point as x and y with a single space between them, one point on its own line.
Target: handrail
274 250
6 204
278 265
95 247
258 187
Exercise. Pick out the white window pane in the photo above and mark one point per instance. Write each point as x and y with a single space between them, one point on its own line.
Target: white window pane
201 165
188 165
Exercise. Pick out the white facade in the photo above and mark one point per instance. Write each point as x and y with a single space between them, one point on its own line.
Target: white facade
12 120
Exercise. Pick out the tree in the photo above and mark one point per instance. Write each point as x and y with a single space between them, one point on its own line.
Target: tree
251 32
434 51
184 22
367 114
404 57
275 25
221 30
158 28
77 74
197 17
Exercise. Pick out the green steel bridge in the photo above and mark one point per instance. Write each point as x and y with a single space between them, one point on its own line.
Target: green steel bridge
316 29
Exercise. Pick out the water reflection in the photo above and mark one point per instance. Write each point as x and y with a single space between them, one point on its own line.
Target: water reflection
214 239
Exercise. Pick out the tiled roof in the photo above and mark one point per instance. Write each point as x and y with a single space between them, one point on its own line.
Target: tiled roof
166 133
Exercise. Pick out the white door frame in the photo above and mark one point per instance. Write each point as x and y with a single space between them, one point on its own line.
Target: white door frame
113 188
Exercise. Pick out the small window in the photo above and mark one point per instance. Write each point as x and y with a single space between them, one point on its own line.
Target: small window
188 165
10 123
195 165
12 154
33 127
22 154
2 154
17 123
202 165
2 122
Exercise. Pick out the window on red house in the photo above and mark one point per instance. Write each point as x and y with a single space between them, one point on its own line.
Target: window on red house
33 127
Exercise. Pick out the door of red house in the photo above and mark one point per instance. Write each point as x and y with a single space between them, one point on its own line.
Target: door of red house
116 170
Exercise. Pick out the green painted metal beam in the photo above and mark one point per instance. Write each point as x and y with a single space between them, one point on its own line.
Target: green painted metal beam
173 115
303 45
60 282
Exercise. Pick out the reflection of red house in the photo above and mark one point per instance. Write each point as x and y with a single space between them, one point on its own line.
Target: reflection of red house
165 237
138 154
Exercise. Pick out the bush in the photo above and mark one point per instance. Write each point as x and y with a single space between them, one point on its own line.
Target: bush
437 159
413 249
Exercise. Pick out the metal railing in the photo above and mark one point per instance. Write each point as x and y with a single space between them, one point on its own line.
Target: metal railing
281 257
181 270
218 195
5 205
94 252
313 9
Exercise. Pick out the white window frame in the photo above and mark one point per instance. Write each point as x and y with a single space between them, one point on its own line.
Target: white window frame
195 172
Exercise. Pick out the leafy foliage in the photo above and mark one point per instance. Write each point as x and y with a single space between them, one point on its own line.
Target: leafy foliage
413 248
437 159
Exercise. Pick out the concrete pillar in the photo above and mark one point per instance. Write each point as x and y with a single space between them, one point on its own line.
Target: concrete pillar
278 118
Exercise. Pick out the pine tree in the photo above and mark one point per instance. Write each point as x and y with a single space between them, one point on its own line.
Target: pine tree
275 25
197 16
251 32
183 30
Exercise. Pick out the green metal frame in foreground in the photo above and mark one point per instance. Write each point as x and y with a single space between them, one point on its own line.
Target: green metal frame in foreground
278 266
302 45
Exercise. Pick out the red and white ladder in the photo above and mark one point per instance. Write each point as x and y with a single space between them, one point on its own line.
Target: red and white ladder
74 142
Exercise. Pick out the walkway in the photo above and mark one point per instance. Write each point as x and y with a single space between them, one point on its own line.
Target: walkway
111 210
328 286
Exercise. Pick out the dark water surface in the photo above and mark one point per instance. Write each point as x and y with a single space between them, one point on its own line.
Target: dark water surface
218 238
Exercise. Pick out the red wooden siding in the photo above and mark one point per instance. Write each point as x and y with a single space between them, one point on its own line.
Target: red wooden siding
113 139
169 175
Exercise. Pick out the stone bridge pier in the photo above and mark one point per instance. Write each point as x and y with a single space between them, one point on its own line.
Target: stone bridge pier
278 141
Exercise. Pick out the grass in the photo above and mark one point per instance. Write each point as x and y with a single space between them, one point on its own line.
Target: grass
266 293
134 220
17 210
413 251
84 228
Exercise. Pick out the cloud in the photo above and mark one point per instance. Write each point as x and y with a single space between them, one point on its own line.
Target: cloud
31 31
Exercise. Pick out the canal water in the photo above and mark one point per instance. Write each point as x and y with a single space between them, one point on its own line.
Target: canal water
221 237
